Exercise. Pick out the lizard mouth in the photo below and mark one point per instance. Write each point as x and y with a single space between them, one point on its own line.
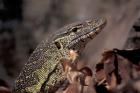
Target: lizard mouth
88 35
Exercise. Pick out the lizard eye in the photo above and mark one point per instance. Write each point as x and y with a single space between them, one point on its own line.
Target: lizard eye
74 29
58 45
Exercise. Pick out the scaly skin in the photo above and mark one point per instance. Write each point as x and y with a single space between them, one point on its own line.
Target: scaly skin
44 71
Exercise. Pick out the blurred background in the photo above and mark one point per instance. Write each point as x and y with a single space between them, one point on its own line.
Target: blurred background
25 23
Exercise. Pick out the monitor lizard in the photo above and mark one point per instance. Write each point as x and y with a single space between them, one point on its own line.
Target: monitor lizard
44 69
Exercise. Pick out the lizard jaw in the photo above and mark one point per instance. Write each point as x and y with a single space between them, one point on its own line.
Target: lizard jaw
85 37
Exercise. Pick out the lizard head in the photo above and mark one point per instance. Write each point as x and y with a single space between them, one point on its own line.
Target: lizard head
76 36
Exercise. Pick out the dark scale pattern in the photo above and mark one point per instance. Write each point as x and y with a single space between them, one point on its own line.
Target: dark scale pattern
38 51
37 60
55 81
27 77
21 84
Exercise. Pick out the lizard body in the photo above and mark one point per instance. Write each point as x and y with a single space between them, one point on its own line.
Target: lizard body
44 69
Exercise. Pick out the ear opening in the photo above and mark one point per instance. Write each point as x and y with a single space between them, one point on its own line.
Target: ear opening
58 45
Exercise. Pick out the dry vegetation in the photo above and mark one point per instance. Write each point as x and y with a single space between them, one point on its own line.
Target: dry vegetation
117 72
